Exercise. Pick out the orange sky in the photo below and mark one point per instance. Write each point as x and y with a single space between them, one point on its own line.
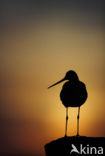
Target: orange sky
37 53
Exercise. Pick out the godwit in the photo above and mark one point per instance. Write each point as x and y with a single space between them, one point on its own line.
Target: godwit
73 94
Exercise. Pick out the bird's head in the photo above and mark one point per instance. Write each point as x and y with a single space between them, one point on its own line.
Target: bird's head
70 75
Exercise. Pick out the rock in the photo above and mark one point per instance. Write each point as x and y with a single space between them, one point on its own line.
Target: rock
81 145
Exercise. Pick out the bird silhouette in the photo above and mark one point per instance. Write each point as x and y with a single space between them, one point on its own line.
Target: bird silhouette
73 94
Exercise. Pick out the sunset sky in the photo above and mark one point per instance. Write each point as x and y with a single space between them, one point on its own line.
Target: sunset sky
40 42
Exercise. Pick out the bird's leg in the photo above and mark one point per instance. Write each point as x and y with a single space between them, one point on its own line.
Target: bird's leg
78 121
66 121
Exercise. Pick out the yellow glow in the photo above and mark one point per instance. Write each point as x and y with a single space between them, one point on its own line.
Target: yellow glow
39 55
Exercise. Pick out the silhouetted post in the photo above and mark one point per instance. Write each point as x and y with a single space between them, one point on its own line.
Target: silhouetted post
76 146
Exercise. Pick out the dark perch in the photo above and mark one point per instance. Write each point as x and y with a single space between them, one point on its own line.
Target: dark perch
63 146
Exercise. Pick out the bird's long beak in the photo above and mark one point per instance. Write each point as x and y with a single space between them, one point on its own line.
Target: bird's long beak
56 83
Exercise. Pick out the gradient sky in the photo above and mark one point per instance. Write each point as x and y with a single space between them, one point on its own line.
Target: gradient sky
40 42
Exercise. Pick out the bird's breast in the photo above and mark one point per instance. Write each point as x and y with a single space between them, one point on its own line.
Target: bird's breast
73 94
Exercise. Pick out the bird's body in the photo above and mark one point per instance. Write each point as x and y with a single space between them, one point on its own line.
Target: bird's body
73 94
